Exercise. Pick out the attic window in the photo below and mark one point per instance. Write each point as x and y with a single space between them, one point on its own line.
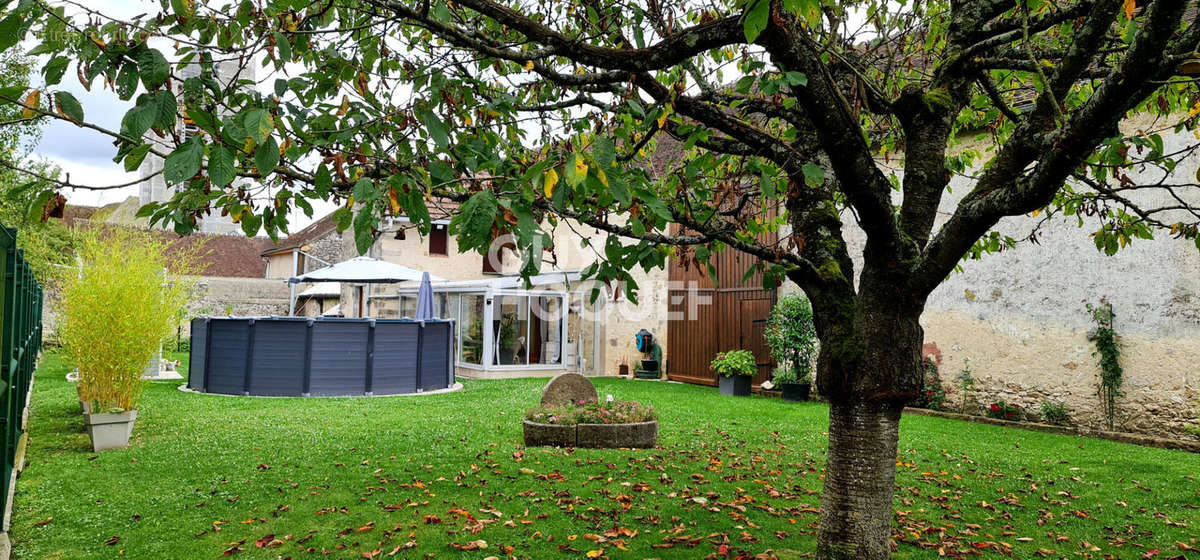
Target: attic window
437 240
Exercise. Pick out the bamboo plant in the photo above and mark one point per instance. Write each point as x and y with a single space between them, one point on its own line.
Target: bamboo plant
118 308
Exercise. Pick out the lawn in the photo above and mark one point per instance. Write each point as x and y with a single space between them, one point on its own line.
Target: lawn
442 475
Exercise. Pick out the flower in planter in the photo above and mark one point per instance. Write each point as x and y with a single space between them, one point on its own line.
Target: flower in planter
1005 411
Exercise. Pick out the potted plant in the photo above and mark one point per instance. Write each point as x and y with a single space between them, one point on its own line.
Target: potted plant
792 338
790 388
115 313
735 369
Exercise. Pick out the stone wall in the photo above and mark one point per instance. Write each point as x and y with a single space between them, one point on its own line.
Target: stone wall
215 296
247 297
1018 319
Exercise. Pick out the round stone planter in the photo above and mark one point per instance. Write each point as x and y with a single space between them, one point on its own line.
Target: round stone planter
607 436
553 435
604 436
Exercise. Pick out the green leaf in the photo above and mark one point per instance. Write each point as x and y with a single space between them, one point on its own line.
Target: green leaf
138 120
473 223
10 31
754 20
283 46
342 217
797 78
364 189
184 162
69 106
250 223
153 68
436 129
134 159
259 124
203 119
814 175
127 81
221 169
809 10
38 207
165 108
266 157
55 69
322 181
575 170
604 152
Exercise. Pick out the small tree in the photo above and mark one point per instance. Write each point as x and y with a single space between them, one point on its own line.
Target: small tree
118 308
791 335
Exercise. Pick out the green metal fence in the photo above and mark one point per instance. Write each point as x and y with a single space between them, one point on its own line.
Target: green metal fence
22 340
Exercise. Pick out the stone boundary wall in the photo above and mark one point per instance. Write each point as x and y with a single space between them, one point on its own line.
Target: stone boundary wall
1017 317
215 295
245 297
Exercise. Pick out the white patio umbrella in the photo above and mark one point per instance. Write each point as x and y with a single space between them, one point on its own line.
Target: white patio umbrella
362 270
359 270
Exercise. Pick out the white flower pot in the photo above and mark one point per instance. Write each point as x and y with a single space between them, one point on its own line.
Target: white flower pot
110 431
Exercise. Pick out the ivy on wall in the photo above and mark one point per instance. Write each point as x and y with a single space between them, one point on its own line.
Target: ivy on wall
1108 350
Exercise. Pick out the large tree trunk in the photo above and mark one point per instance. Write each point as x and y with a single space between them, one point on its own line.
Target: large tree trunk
856 506
874 366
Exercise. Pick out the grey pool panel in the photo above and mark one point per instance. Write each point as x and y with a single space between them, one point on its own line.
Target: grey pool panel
198 356
394 367
434 358
291 356
227 356
277 366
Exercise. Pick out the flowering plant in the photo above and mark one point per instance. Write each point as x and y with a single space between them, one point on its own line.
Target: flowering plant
1005 411
608 412
933 394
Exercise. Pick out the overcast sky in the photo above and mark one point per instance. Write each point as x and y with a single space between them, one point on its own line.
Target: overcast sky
87 155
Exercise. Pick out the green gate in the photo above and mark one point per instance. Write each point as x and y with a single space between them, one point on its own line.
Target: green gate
22 340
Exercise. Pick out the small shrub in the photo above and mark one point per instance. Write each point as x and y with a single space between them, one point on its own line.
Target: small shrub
1006 411
966 382
792 338
735 362
614 412
933 394
786 375
1057 413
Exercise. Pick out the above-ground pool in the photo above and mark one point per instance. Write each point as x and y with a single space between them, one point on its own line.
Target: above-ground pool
297 356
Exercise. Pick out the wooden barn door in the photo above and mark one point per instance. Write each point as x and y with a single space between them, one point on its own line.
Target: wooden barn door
754 313
708 318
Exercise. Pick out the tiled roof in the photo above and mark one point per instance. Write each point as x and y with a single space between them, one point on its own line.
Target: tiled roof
220 255
312 232
225 255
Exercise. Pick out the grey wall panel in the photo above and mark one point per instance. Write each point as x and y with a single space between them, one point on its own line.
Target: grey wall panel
197 357
395 363
277 367
339 358
227 355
